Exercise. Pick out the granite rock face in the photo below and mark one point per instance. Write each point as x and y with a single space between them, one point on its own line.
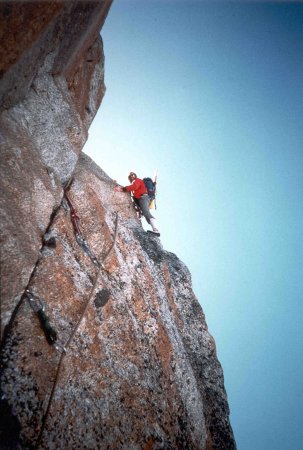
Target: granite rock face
139 369
52 83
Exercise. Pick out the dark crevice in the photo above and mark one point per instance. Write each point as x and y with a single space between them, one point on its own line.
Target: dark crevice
8 327
9 428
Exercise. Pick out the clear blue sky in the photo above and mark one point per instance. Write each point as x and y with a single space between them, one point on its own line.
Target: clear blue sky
210 95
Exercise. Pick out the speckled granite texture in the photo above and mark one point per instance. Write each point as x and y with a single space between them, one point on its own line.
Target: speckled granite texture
141 371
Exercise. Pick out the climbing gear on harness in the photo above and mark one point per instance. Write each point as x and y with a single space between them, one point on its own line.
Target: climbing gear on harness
38 307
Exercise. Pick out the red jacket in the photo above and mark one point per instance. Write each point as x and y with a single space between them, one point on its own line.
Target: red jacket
137 187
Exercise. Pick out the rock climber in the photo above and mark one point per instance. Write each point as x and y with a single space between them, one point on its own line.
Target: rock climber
141 198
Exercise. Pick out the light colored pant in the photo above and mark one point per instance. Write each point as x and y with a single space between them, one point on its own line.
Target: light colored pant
143 202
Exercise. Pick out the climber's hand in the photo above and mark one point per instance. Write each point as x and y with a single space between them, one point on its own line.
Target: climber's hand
118 189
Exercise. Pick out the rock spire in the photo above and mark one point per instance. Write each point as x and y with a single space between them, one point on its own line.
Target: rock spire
103 342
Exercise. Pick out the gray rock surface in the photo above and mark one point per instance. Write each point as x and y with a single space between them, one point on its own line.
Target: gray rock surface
139 370
52 83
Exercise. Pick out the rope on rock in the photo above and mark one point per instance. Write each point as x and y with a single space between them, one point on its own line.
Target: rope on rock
74 331
75 219
38 307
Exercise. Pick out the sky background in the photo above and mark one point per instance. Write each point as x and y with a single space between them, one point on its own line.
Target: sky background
209 94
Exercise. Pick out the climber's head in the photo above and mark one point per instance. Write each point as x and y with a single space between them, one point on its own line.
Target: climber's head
132 176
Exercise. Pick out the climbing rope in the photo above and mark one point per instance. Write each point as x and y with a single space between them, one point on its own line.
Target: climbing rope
77 230
38 307
74 331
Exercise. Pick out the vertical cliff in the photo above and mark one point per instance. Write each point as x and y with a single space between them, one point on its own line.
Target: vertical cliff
119 356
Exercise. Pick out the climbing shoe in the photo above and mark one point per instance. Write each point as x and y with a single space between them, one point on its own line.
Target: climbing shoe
155 233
